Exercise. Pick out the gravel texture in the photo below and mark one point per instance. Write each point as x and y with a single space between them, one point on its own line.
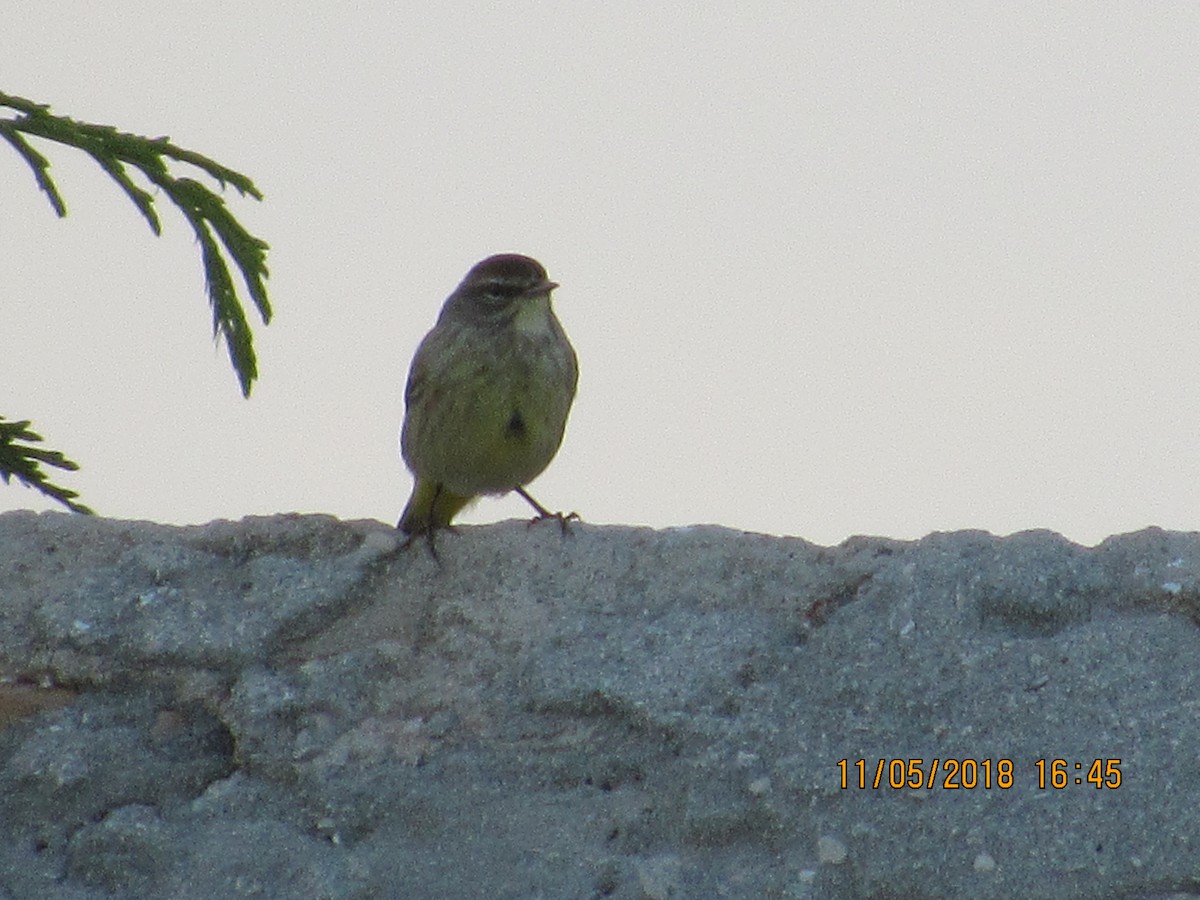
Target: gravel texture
297 706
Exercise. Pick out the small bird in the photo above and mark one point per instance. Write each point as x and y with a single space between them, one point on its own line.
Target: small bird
488 393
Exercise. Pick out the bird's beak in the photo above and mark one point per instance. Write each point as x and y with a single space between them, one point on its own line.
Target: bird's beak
542 287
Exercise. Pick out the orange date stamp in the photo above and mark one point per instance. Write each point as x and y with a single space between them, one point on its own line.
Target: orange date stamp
952 773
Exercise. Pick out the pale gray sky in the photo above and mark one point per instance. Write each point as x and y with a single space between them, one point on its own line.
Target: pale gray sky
830 268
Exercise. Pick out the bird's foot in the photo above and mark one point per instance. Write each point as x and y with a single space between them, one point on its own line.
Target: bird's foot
564 519
428 533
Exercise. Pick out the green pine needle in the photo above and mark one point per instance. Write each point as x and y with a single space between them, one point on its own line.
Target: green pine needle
25 462
219 234
116 151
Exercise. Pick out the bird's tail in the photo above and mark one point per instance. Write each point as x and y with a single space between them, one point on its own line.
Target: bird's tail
431 506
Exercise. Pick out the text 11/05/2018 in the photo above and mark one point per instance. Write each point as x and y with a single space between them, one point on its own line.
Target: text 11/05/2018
916 773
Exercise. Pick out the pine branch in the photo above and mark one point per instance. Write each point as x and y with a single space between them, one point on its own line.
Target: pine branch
205 211
25 461
40 166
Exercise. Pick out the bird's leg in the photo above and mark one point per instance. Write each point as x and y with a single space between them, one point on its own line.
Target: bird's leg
428 535
428 529
543 513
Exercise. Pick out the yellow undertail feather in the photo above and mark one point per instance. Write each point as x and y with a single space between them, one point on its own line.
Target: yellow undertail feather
431 506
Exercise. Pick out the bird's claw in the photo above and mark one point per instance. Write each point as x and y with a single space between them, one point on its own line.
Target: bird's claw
428 535
564 520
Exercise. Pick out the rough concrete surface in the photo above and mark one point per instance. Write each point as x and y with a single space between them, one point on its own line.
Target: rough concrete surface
297 706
